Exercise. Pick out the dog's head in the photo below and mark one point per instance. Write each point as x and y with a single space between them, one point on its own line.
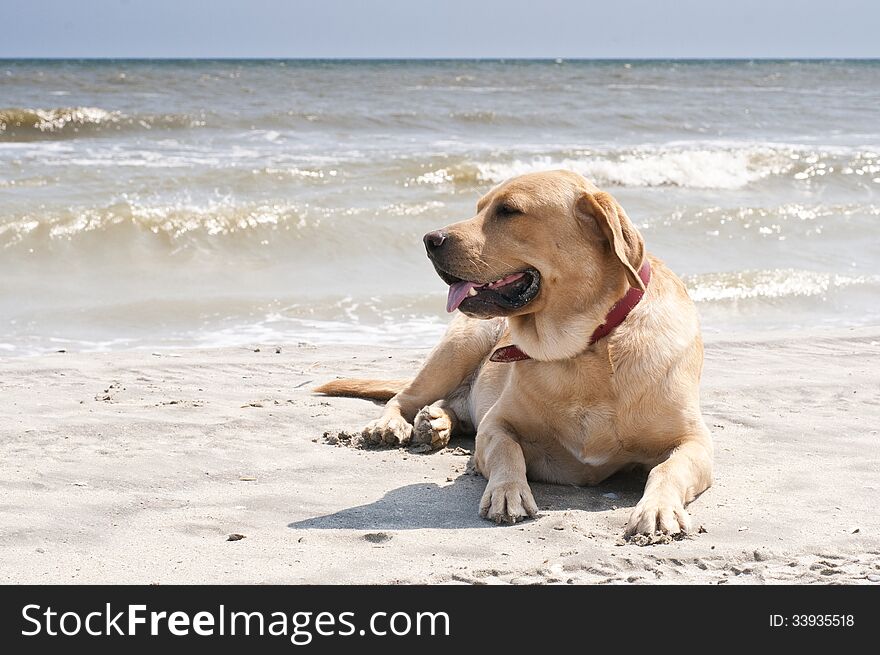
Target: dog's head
549 251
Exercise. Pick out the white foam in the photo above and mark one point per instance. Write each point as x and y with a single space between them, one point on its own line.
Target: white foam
769 284
712 164
650 167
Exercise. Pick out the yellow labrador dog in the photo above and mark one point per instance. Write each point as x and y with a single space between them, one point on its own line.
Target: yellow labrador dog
575 354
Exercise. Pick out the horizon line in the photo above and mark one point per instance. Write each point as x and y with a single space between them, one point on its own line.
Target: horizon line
432 59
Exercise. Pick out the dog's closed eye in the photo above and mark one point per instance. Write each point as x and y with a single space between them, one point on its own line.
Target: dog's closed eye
506 210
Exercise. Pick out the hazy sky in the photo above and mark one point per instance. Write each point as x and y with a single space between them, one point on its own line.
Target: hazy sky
439 28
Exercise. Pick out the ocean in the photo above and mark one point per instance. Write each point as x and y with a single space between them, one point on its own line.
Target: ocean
171 204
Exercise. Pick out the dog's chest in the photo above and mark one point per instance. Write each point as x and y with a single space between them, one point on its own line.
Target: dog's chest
589 434
569 445
578 416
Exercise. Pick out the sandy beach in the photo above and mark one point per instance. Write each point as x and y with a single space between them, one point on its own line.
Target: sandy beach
136 467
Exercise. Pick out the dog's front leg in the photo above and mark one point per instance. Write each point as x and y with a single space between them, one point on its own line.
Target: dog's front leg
672 484
499 458
466 343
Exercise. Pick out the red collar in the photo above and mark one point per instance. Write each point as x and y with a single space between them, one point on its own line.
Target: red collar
613 318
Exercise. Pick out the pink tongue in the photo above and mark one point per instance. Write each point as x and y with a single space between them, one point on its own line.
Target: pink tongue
457 293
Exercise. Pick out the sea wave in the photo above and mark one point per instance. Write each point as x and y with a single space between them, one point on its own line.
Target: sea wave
699 169
723 167
757 222
772 284
223 222
183 219
446 166
173 220
26 124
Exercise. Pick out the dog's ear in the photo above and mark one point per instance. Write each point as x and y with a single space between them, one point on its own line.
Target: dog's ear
625 241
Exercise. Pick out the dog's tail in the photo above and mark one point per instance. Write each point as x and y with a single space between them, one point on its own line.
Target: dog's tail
359 388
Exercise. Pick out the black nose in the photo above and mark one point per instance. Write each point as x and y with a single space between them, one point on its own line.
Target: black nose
433 240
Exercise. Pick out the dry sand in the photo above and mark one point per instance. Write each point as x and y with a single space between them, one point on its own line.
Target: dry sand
136 467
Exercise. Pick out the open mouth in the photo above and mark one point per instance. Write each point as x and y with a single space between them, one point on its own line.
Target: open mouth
507 293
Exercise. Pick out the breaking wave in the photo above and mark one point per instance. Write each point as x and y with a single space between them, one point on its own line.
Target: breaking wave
695 167
22 124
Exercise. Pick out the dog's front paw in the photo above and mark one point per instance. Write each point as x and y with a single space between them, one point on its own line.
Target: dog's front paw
432 426
388 431
659 514
508 502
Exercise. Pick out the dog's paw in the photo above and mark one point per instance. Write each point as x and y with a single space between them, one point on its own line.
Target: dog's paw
388 431
508 502
658 514
432 426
